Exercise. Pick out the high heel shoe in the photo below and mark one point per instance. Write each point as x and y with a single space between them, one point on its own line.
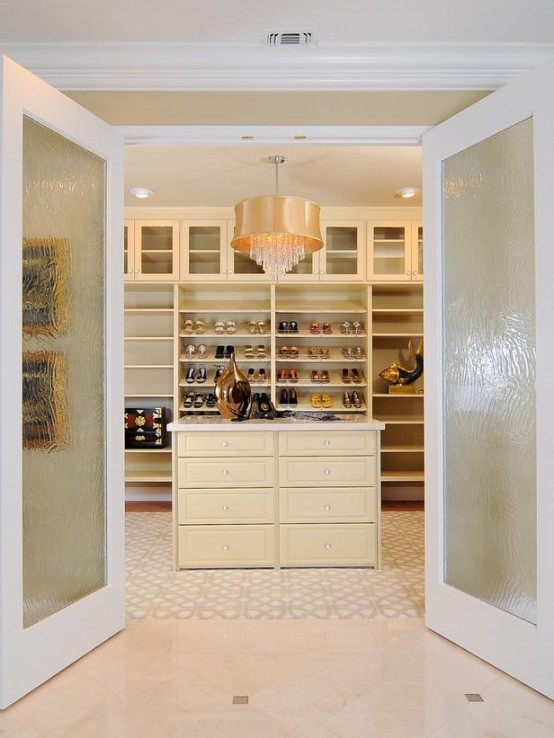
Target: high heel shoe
190 374
293 399
202 375
284 398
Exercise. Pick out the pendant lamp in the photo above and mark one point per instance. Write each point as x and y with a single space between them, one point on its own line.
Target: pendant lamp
277 231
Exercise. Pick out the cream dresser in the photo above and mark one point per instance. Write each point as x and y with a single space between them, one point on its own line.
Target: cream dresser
276 493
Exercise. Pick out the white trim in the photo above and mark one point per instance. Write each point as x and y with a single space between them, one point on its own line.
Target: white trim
315 135
204 66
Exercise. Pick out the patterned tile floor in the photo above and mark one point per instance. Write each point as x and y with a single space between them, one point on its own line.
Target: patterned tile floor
155 591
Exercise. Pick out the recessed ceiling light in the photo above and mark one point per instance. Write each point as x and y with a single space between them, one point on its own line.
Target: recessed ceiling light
141 192
407 191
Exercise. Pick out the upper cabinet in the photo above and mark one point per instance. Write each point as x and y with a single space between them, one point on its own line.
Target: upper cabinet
206 255
342 258
395 251
151 250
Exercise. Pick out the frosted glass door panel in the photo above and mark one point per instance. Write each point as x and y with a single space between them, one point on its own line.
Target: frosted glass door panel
64 506
489 372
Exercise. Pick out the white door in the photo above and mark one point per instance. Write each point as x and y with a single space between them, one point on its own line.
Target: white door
61 447
489 357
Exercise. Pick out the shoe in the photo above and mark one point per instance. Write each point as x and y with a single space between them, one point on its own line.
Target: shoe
250 376
359 352
262 375
293 375
315 400
312 352
199 400
199 327
261 326
284 398
346 401
211 400
187 328
261 352
283 327
345 376
252 326
293 399
316 376
249 351
315 329
231 326
202 350
325 377
293 326
190 374
348 353
220 352
324 352
282 375
356 378
189 399
327 328
228 351
326 401
356 400
283 351
202 375
190 350
219 327
357 327
294 351
218 372
346 327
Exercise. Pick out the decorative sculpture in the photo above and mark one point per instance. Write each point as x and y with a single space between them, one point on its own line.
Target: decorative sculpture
233 392
399 375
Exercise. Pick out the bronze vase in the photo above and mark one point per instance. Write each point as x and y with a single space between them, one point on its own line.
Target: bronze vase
233 392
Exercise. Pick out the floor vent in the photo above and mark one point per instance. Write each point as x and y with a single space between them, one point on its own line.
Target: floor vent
474 697
240 699
289 38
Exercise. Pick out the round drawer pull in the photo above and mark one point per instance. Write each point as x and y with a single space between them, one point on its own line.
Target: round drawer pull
327 442
328 546
226 547
226 508
327 472
327 508
225 472
225 444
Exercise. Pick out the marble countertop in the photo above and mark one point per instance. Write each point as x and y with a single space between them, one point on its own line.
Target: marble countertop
300 423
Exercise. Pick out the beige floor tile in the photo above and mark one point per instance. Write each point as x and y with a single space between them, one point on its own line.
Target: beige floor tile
14 725
117 722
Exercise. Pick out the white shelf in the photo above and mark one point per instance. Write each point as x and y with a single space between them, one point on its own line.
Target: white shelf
402 476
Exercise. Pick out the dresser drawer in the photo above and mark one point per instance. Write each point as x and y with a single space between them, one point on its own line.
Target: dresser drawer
226 545
340 505
226 506
332 471
321 443
225 444
232 472
328 545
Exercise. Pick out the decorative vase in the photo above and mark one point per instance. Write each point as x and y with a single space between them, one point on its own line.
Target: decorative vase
233 392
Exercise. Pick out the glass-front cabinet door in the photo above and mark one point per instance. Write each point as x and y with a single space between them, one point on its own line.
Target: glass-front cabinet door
129 250
389 251
241 267
203 250
156 250
343 255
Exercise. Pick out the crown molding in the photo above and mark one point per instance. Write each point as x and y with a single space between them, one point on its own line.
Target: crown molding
311 135
372 66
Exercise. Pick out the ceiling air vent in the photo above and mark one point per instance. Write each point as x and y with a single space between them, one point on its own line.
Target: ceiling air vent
289 38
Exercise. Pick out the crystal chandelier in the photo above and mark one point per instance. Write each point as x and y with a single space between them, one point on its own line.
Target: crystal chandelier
277 232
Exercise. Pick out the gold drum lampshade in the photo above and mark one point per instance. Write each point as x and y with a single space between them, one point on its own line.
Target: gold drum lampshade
277 231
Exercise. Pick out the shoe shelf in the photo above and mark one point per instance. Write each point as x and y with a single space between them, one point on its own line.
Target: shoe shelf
335 380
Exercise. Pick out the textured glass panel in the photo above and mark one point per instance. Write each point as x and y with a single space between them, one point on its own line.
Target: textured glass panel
63 372
489 371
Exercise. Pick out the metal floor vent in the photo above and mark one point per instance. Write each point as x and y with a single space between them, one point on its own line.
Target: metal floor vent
289 38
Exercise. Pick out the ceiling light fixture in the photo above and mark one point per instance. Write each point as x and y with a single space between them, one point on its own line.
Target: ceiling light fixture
277 231
407 191
141 192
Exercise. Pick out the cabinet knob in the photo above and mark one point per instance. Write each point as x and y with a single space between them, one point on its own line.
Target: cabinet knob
408 273
226 547
225 472
327 472
136 271
328 547
225 444
414 273
327 443
225 508
327 508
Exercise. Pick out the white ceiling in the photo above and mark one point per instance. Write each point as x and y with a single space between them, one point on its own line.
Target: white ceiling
219 45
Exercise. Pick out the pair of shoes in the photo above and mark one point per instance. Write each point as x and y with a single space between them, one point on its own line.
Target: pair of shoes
346 378
224 352
324 400
321 352
198 327
211 400
353 352
191 350
194 399
288 397
285 351
290 375
256 376
221 327
255 353
257 326
350 399
193 375
288 327
320 377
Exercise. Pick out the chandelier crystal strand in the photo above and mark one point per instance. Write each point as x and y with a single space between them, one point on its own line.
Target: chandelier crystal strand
277 253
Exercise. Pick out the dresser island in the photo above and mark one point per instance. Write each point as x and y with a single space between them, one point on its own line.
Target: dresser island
276 493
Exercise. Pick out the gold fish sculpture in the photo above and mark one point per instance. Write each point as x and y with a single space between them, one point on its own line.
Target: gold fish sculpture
396 374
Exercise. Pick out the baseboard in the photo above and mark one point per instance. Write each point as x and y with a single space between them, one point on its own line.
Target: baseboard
147 492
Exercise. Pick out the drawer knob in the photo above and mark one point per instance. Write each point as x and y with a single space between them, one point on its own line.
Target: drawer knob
226 508
327 508
225 472
225 444
327 442
328 547
226 547
327 472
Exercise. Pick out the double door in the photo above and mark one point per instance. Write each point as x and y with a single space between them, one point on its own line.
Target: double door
395 251
151 250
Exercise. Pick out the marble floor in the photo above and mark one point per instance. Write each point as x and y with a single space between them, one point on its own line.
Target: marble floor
279 677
